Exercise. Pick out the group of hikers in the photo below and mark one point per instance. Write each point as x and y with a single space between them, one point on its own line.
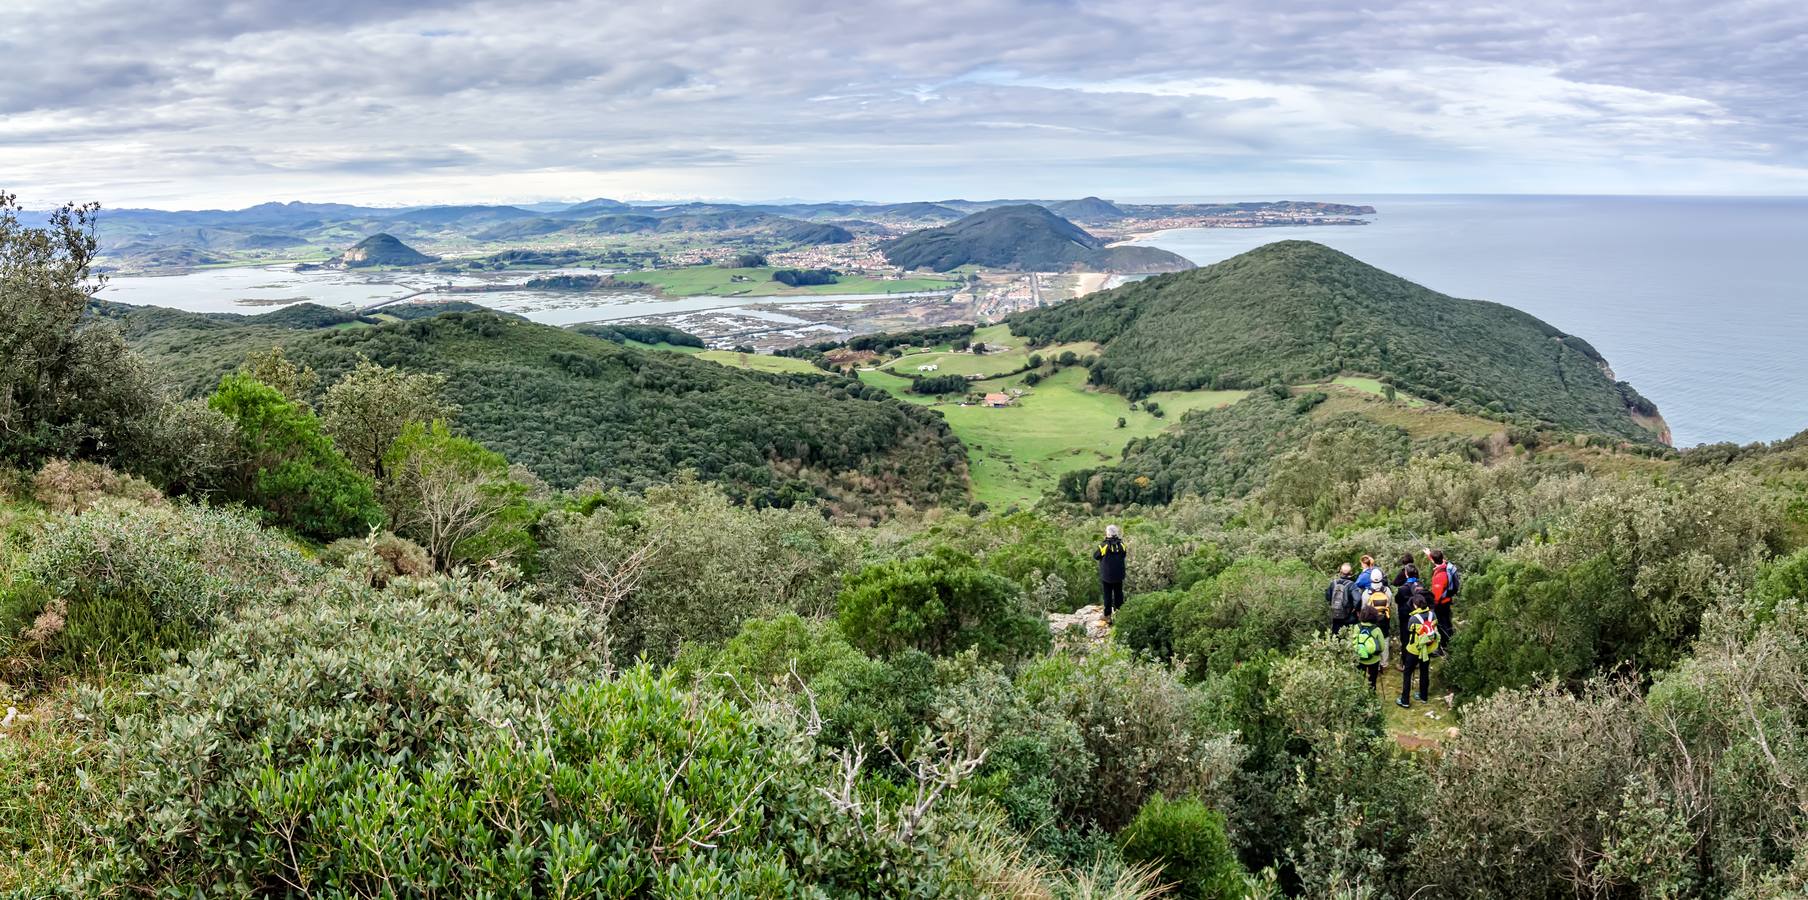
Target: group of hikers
1373 605
1366 603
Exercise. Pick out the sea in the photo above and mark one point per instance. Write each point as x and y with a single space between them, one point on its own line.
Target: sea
1701 303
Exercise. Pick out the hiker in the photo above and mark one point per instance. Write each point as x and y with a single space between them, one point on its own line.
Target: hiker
1370 643
1405 599
1445 582
1369 574
1340 598
1377 598
1111 555
1421 644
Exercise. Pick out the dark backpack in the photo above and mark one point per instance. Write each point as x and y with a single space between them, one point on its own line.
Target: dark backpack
1342 607
1456 581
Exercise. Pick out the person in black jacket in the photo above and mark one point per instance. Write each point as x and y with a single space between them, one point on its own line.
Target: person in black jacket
1111 556
1405 602
1340 599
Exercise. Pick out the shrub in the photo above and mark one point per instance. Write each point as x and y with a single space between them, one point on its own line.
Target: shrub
705 564
290 468
1785 578
1146 623
1036 761
120 583
1145 733
940 604
1187 840
1250 607
1523 624
64 486
378 557
355 695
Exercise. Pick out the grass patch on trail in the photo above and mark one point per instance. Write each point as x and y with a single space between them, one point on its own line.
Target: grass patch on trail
693 281
1016 454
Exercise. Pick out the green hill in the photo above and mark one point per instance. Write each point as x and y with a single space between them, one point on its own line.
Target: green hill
570 406
1024 237
383 250
1090 209
1296 311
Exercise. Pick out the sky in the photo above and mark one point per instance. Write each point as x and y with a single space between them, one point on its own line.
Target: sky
226 103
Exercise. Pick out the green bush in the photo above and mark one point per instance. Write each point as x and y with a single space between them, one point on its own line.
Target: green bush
378 557
1146 623
706 564
1145 733
353 695
1187 840
1785 578
116 586
940 604
289 467
1253 606
1523 624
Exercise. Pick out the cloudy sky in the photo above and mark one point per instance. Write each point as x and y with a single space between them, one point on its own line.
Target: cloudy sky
193 103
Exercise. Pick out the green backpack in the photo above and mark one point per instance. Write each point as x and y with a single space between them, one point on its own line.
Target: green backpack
1423 627
1367 643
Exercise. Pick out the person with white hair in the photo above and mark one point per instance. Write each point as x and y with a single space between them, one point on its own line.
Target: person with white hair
1111 556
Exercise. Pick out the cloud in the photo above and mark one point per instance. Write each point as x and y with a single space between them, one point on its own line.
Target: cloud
520 99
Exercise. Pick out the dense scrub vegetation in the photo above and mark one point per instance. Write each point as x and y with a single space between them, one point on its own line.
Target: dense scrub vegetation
661 689
570 407
1296 311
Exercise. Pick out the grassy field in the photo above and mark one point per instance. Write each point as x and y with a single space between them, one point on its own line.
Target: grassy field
758 362
1017 454
1015 355
1375 387
1420 422
711 280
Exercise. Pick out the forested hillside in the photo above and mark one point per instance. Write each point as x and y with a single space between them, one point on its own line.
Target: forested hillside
1296 311
571 407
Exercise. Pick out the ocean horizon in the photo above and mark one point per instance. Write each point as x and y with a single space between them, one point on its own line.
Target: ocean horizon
1697 301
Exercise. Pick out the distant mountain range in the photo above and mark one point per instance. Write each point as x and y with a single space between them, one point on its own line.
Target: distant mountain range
1026 238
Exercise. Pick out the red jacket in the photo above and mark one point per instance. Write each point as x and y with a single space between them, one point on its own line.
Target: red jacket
1440 582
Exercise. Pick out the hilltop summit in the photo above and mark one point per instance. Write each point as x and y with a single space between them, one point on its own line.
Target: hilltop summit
1296 311
1024 237
383 250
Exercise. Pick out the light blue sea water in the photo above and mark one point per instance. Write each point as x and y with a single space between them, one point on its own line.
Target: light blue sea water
1701 303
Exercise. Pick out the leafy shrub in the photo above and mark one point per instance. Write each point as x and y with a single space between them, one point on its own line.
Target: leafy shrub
351 695
705 564
1146 623
1785 578
66 486
122 582
1145 732
1187 840
378 557
1523 624
290 468
1250 607
940 604
1036 761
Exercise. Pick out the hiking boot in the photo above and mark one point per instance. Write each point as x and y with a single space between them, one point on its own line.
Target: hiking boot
1422 698
1402 703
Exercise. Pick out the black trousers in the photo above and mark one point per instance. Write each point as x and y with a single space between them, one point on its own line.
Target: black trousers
1424 666
1114 596
1374 670
1446 624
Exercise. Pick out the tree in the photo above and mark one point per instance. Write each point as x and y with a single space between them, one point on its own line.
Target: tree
1120 422
1390 393
289 467
68 384
445 491
277 370
365 411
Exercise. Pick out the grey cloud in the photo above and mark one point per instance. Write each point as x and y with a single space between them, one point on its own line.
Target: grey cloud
357 89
